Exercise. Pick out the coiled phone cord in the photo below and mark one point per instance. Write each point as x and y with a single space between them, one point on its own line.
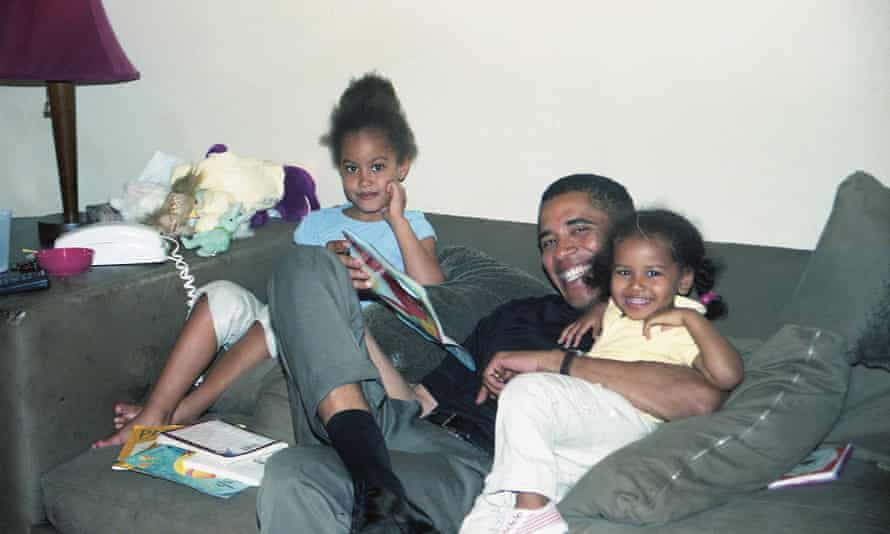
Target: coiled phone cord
191 292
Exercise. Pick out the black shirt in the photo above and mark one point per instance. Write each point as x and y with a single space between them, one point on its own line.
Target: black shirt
523 324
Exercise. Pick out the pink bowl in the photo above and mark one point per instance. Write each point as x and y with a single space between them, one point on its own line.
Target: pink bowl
65 261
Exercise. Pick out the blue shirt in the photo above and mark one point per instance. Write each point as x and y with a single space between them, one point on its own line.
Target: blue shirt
327 224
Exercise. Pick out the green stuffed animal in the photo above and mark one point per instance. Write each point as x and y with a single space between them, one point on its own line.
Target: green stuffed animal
217 240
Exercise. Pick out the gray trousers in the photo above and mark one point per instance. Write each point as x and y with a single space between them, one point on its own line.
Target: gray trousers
316 314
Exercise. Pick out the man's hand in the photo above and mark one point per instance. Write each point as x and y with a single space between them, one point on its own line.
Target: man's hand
360 279
507 364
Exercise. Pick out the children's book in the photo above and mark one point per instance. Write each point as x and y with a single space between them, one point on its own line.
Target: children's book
164 461
822 465
405 296
141 438
227 443
248 471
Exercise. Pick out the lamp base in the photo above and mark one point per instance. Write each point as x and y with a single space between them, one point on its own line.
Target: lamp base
52 226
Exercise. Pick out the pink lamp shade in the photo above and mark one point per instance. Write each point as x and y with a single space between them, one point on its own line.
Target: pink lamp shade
61 43
60 40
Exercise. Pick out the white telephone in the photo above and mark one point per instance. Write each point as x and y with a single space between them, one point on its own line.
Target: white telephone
117 243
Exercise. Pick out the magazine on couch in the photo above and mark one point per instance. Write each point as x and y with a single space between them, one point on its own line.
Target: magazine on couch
405 297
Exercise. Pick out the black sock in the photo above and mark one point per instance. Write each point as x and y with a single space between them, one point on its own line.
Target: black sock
355 436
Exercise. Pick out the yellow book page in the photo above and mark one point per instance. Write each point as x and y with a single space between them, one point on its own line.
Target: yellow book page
141 438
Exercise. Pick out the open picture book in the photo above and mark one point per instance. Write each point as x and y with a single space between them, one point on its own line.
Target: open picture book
405 297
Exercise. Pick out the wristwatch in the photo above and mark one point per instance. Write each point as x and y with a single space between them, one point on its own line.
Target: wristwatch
570 354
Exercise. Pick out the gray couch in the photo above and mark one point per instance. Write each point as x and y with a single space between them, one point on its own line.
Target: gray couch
102 336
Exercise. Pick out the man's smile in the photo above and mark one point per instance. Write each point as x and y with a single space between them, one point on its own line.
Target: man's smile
574 273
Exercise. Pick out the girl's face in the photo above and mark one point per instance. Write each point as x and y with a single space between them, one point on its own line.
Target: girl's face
646 277
367 166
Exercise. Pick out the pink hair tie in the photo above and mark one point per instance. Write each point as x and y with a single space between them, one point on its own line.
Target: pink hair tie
707 298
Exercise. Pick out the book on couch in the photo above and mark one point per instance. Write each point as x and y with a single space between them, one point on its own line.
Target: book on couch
141 438
405 297
822 465
249 472
164 461
142 454
224 442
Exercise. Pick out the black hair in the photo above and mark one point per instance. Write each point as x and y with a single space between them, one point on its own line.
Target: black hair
681 236
605 194
370 102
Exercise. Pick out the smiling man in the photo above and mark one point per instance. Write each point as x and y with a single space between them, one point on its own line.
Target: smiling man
572 224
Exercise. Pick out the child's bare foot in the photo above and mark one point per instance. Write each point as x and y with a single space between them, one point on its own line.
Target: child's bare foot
120 437
124 413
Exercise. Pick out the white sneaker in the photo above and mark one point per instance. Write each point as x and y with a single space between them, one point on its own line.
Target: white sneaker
546 520
496 514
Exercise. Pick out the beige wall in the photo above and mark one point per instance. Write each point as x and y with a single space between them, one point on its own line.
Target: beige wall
742 114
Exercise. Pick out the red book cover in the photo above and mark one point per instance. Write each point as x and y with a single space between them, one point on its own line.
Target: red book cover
822 465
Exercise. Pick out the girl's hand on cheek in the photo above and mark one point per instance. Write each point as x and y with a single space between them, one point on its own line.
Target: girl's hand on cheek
395 208
666 319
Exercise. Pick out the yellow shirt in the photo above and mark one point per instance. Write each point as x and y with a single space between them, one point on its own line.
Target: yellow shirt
622 338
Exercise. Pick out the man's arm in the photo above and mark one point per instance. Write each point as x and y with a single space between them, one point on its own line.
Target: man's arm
663 390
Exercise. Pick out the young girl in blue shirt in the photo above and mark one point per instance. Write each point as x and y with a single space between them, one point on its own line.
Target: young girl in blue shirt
372 146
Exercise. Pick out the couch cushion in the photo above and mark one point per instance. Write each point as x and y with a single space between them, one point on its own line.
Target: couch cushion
846 280
855 503
846 287
864 419
873 346
272 415
475 284
793 390
84 496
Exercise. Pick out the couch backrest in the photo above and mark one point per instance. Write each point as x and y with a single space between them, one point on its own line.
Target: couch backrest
756 281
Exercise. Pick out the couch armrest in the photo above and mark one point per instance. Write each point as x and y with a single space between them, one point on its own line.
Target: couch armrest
87 342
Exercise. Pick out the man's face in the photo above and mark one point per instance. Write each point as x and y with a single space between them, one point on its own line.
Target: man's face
570 233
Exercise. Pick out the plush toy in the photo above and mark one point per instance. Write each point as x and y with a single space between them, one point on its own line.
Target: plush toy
216 240
226 179
174 215
196 197
298 200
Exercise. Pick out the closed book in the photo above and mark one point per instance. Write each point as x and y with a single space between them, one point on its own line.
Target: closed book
248 471
223 441
822 465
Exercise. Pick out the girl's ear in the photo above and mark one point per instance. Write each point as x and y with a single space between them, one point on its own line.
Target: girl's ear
403 170
686 281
